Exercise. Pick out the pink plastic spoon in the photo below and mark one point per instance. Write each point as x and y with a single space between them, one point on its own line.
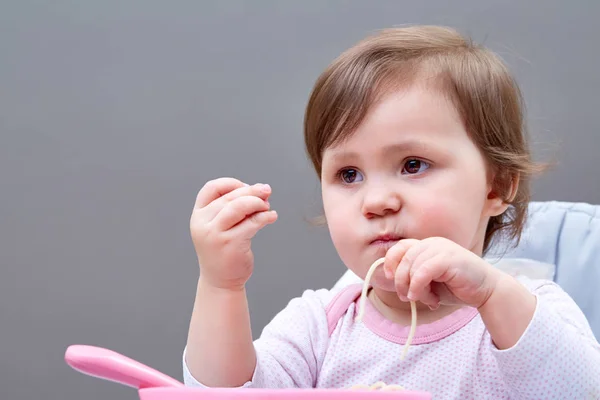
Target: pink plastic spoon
112 366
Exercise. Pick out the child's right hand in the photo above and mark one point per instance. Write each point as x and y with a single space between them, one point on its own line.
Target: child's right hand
227 215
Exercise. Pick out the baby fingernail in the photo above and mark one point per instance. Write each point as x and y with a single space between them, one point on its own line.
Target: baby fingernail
403 298
265 188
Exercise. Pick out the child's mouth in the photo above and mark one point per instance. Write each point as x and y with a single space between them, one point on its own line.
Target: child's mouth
386 241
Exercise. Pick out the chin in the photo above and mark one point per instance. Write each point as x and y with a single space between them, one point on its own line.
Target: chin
387 286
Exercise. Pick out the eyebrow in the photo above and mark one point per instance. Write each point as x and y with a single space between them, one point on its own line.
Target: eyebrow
388 151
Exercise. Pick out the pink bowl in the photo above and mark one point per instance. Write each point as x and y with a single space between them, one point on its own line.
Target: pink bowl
154 385
279 394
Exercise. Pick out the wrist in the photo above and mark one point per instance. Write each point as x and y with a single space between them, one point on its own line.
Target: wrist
508 311
493 286
504 288
211 277
217 286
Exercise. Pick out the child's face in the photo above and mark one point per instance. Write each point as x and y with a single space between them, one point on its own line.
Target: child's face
409 171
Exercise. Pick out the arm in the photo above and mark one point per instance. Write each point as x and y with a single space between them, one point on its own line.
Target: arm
510 301
538 336
557 355
226 216
290 349
219 348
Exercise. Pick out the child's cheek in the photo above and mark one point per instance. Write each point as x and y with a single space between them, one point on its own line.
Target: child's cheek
439 219
340 232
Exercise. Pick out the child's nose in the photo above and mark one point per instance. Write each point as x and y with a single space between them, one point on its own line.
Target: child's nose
380 200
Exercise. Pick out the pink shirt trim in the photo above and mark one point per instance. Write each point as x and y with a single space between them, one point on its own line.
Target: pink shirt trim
391 331
339 305
425 333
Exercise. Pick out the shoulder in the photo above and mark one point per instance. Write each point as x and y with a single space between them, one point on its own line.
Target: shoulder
553 300
545 290
315 309
541 286
314 298
311 304
535 284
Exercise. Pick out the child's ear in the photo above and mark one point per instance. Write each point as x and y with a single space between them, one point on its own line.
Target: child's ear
514 187
501 194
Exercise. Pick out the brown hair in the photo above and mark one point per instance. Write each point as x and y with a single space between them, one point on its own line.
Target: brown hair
474 79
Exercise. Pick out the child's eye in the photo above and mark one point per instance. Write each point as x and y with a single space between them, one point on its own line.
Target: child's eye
415 166
350 175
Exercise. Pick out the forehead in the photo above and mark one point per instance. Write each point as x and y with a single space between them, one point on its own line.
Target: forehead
410 119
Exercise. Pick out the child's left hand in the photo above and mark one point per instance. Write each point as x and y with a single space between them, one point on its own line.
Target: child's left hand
438 271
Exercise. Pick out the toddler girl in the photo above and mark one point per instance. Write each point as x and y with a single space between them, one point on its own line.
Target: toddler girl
417 137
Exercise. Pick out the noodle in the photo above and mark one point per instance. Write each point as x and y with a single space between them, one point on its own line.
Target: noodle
361 311
378 386
363 298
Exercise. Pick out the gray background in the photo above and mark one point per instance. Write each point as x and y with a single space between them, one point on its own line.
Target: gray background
114 114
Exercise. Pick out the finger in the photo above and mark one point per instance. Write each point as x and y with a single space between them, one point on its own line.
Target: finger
402 276
237 210
427 252
429 297
216 188
412 263
394 256
250 226
429 271
259 191
401 283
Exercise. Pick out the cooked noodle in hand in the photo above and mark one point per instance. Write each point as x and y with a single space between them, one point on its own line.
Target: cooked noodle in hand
413 326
